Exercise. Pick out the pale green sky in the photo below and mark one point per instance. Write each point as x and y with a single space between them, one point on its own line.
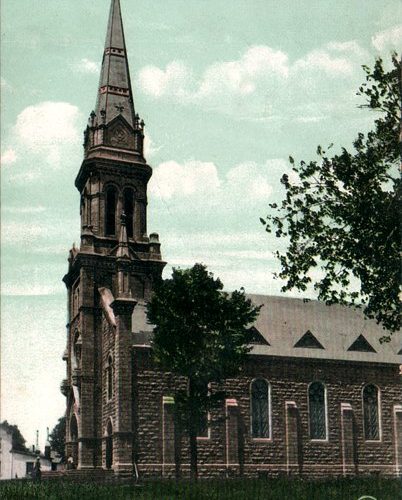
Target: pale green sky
228 89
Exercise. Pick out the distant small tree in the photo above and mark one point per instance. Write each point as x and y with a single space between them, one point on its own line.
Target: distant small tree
57 437
201 333
18 441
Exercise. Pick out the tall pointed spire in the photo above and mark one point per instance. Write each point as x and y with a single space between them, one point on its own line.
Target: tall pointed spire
114 125
115 96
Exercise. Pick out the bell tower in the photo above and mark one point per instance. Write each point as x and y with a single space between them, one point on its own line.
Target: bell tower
112 271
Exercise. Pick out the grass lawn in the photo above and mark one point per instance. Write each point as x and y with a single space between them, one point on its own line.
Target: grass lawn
239 489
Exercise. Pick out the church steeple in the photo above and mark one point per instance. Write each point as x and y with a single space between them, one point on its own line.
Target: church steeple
115 93
115 101
113 269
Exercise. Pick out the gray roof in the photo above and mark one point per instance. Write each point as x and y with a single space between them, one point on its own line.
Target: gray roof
282 323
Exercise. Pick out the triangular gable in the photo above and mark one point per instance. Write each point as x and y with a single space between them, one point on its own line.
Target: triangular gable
308 341
120 119
361 345
257 337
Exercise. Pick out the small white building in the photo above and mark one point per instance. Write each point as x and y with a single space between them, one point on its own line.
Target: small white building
16 464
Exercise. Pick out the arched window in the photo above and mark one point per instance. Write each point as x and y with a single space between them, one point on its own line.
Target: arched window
371 414
111 201
260 409
129 210
317 411
109 377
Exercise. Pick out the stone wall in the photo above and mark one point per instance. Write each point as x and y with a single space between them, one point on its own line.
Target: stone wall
290 449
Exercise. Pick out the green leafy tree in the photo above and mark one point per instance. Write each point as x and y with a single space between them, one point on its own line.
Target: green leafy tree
18 441
57 437
201 333
342 215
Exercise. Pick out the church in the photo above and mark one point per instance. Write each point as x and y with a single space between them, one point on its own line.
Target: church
320 394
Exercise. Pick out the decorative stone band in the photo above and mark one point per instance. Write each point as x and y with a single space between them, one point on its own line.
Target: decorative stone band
114 90
115 52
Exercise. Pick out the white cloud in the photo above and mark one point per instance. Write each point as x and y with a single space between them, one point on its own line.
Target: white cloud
23 210
237 77
246 183
87 66
24 177
149 147
15 232
217 240
192 178
390 39
229 255
248 180
47 123
322 60
241 76
8 157
174 80
262 84
47 127
351 47
31 232
309 119
31 289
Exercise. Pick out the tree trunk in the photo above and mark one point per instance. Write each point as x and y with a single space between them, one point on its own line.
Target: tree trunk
192 432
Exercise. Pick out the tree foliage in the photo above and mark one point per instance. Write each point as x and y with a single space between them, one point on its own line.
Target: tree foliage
57 437
200 333
342 215
18 441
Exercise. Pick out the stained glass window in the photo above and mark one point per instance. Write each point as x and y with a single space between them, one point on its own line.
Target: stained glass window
371 413
317 411
260 409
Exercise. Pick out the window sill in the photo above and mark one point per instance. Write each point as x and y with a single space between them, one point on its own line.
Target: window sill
262 440
319 440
